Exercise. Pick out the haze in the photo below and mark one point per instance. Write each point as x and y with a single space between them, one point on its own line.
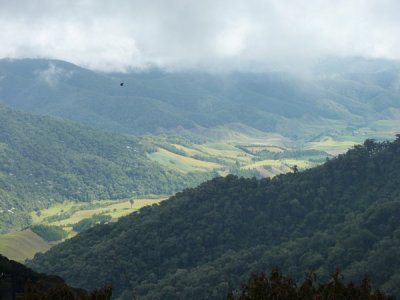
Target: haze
209 35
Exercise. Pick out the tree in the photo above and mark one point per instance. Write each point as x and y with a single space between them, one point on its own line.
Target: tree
277 286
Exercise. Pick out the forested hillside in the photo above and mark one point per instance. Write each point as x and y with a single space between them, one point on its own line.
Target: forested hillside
351 93
341 215
45 160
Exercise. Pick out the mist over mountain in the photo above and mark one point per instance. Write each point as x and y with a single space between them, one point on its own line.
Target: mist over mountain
352 92
197 244
258 35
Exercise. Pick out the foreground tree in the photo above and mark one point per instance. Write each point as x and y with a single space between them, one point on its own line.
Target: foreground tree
279 287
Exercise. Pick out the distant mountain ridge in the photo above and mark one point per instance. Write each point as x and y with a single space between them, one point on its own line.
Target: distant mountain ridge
155 101
341 215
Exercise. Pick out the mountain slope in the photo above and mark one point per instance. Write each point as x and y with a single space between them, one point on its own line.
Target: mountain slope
154 101
44 159
201 241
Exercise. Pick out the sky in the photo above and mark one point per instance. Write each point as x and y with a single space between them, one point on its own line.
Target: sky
121 35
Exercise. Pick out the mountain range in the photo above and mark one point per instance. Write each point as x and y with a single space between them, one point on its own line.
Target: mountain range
69 133
353 92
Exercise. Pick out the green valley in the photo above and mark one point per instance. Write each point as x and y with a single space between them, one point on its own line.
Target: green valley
45 160
53 170
193 126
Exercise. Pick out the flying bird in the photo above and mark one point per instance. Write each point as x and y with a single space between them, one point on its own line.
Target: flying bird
121 84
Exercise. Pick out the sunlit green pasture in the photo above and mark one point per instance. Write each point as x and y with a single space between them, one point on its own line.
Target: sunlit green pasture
115 210
182 163
331 145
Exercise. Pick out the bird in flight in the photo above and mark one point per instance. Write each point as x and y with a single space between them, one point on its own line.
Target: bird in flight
121 84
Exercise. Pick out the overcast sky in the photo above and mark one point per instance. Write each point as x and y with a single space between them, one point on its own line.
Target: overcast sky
116 35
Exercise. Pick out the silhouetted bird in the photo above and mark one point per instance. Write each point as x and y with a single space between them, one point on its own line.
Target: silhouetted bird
121 84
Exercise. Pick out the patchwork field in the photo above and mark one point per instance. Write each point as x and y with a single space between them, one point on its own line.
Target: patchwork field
239 152
224 150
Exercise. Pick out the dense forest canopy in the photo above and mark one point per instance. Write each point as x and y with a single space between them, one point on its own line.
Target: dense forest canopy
202 241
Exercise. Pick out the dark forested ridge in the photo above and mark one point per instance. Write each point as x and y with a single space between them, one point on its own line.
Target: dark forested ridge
19 282
341 215
44 159
354 92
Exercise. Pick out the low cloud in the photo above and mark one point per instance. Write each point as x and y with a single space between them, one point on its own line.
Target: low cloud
210 34
52 75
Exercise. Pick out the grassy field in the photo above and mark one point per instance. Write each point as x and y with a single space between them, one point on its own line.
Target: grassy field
76 211
182 163
115 210
331 145
221 150
22 245
187 150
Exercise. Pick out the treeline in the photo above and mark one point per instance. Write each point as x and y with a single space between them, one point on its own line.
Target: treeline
260 286
87 223
49 233
341 215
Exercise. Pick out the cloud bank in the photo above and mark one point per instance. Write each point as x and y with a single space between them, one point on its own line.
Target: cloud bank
210 34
